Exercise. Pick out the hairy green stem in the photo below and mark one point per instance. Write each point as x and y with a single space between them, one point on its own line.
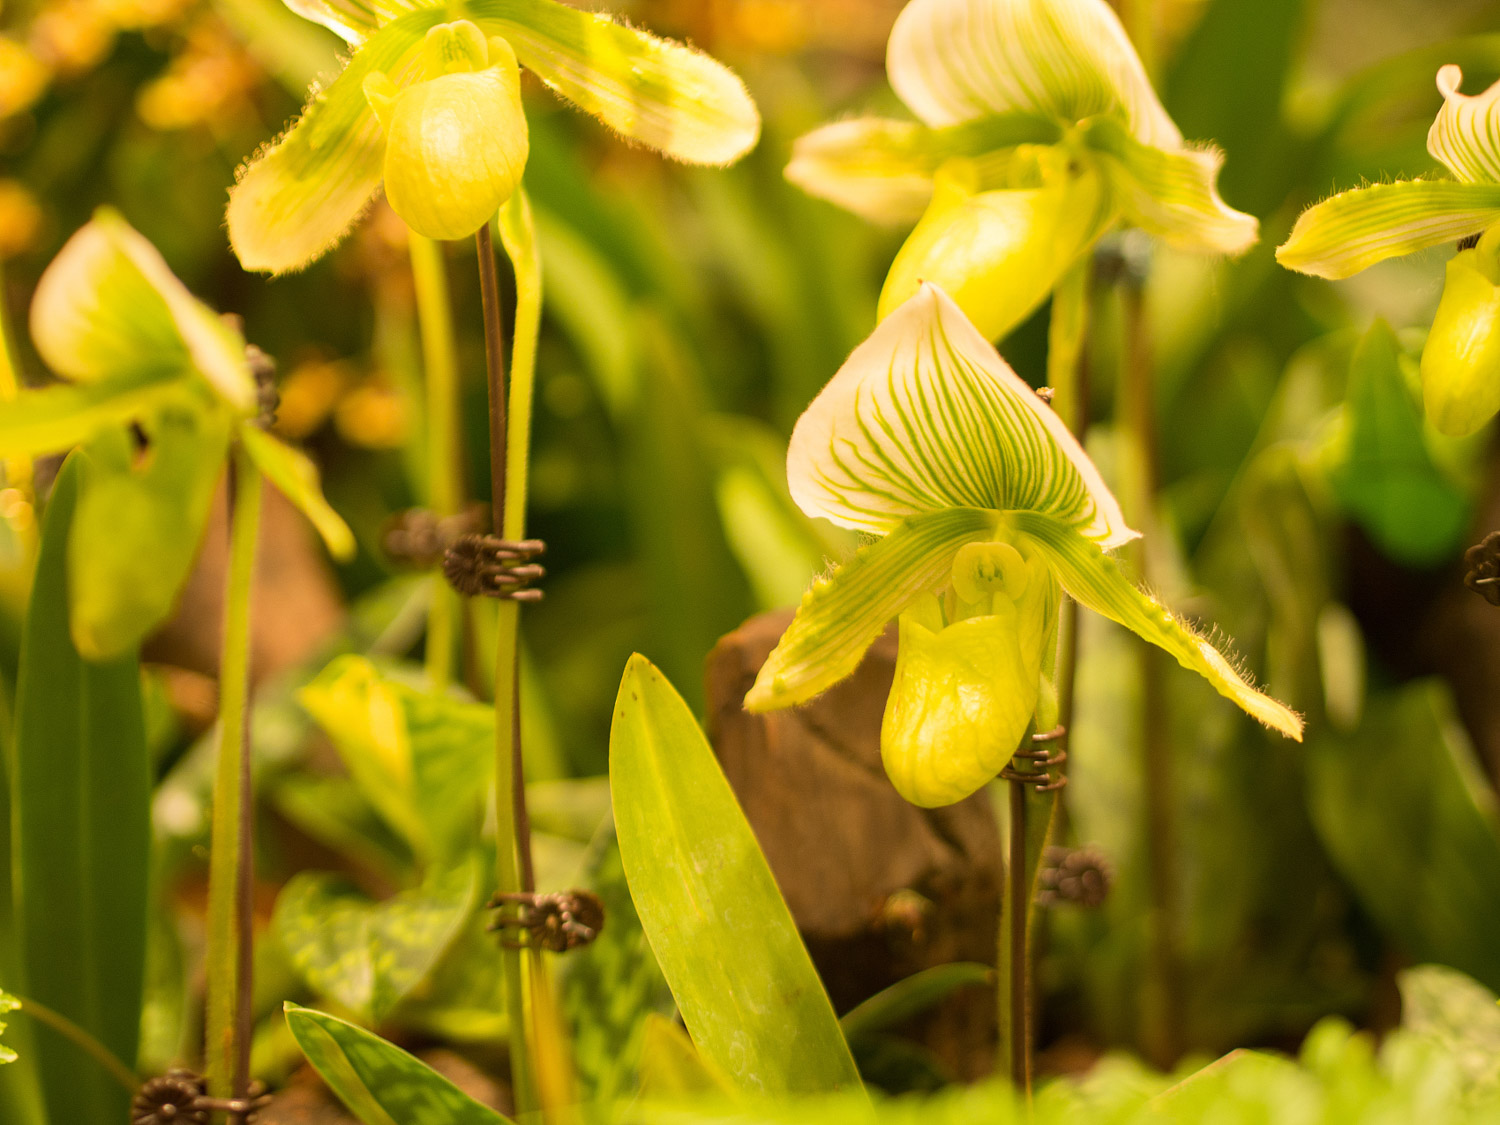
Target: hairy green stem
228 957
444 463
83 1041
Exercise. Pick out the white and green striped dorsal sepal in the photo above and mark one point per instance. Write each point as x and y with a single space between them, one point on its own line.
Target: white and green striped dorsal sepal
956 60
924 416
1466 134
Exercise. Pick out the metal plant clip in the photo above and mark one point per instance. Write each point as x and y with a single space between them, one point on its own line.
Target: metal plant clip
418 538
1482 568
490 567
180 1097
559 921
1034 767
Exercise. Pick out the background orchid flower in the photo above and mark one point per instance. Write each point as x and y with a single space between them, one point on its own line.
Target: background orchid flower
1355 229
987 508
296 200
1039 131
156 387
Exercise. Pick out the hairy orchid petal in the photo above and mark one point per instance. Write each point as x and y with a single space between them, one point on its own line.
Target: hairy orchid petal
109 307
662 94
998 254
1172 194
882 170
296 200
956 60
1465 136
925 415
1461 360
1355 229
840 616
1095 580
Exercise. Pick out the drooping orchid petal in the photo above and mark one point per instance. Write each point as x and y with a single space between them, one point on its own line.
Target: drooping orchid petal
925 415
1461 360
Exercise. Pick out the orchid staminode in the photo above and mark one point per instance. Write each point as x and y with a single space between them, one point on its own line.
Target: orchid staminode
1038 132
1355 229
988 510
429 104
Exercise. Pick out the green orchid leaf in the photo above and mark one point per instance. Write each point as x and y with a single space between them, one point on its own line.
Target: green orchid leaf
379 1082
1095 580
140 522
925 415
1353 230
294 474
672 1068
882 170
710 907
841 615
914 995
108 305
8 1003
298 198
955 60
67 414
1465 135
1172 194
369 955
653 91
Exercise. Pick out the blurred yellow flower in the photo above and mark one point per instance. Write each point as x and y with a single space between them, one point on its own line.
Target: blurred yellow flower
309 394
23 76
73 36
209 82
20 219
374 415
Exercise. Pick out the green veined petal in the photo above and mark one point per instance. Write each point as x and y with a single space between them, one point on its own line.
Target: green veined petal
109 305
1466 133
1355 229
661 94
955 60
882 170
840 616
297 478
299 197
1171 194
925 415
354 21
1096 581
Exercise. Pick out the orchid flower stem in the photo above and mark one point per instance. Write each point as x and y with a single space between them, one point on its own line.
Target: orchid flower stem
1163 1032
230 885
1016 911
444 464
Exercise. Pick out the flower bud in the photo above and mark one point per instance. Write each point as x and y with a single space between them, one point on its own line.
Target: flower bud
456 144
1461 362
998 254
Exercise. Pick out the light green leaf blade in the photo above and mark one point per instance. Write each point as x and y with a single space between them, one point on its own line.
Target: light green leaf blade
1171 194
1465 136
710 907
672 1068
298 198
294 474
955 60
64 415
8 1003
656 92
380 1083
882 170
1353 230
1459 1014
841 615
1095 580
914 995
925 415
81 791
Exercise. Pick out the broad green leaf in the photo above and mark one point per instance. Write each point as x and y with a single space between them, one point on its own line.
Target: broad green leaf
1457 1013
294 474
453 763
140 522
841 615
8 1003
655 92
81 791
1354 229
710 907
369 955
955 60
109 305
1095 580
379 1082
1387 480
925 415
672 1068
64 415
882 170
1171 194
299 197
1409 820
1465 135
914 995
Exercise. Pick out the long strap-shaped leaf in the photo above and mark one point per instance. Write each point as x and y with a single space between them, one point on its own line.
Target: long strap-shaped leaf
710 907
81 803
1096 581
840 616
